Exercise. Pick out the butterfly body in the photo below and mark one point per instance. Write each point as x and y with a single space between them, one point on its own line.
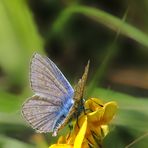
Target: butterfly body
55 101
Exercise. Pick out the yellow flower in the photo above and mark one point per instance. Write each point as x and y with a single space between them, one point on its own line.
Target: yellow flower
91 127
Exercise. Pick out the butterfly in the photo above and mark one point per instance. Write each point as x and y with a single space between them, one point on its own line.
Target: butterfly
55 101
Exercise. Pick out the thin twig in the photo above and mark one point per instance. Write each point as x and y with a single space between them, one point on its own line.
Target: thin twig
137 140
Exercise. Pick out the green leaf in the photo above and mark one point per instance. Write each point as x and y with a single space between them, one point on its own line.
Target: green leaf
104 18
19 38
122 137
114 23
6 142
9 102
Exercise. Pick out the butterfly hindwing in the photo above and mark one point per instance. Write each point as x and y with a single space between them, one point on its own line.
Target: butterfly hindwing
41 113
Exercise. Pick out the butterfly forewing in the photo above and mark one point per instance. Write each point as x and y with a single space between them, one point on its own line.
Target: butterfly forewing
60 77
47 80
79 88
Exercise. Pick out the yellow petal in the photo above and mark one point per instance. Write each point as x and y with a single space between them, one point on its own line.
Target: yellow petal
103 115
105 130
81 134
110 110
61 140
93 104
61 146
96 116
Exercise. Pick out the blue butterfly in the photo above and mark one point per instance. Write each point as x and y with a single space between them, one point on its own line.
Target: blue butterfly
55 101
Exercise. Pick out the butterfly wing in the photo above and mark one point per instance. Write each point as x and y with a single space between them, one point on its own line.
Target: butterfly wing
51 90
47 80
79 88
41 113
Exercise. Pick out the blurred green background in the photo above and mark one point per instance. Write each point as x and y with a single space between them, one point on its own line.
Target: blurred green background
112 34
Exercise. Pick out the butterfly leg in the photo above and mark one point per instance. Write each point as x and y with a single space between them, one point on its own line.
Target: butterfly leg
70 129
79 111
83 108
77 122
